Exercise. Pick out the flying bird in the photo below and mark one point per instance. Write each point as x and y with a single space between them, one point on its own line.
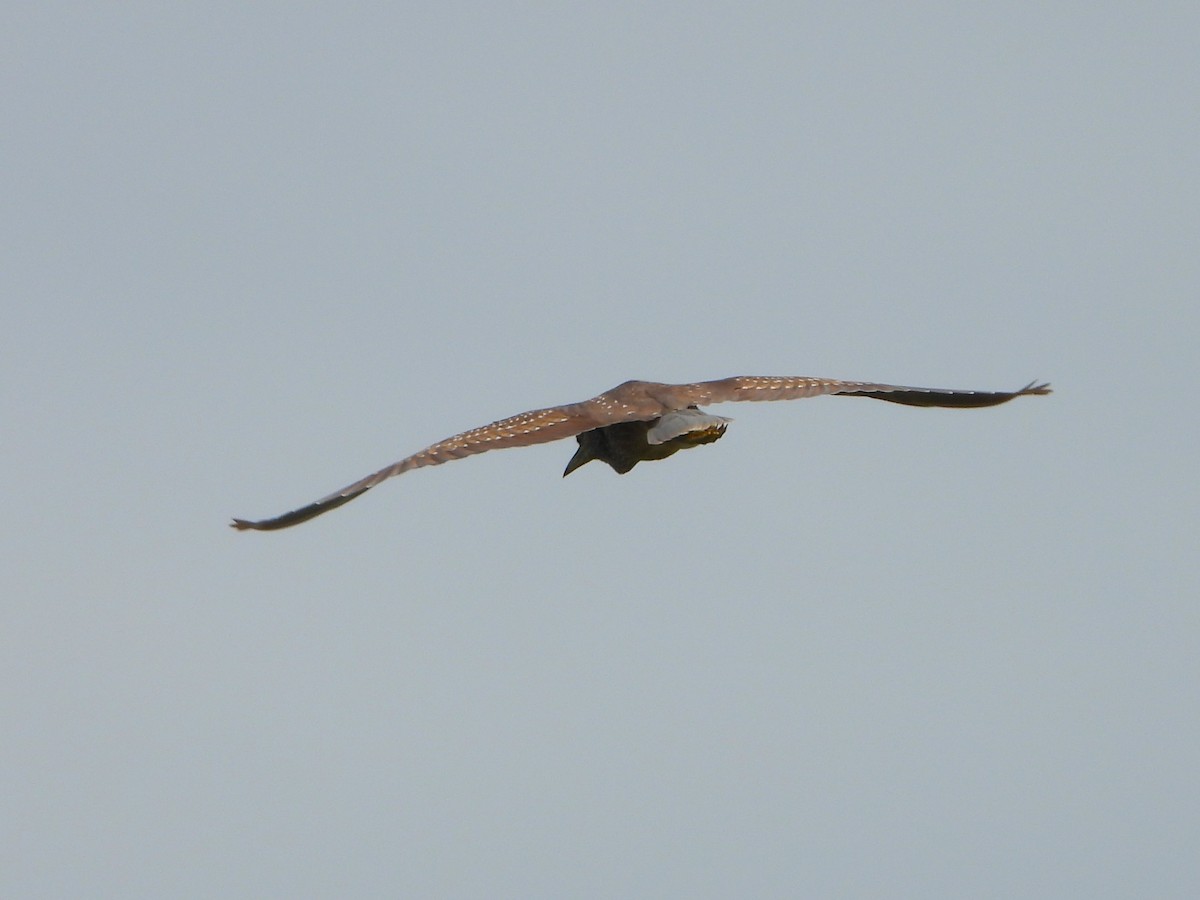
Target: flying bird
637 421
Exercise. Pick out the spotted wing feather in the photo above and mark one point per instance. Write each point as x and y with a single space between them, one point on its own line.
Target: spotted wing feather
753 387
538 426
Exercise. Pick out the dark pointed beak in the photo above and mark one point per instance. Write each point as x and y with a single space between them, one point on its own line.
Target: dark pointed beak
581 456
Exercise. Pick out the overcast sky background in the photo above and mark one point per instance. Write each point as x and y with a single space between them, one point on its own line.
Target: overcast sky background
252 252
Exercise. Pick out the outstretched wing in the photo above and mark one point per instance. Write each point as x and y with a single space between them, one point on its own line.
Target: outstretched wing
635 400
538 426
755 387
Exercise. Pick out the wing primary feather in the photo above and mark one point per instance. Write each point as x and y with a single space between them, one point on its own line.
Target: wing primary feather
944 397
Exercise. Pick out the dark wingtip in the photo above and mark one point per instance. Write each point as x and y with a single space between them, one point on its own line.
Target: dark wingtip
1034 388
296 516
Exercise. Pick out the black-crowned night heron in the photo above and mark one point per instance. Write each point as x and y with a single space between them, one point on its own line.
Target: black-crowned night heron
637 421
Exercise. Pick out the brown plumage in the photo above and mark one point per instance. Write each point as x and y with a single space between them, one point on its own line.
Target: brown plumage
635 422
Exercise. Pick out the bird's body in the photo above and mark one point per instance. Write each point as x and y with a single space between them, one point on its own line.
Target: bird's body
626 444
635 422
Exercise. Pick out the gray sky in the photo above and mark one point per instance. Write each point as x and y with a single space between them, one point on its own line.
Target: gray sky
253 252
